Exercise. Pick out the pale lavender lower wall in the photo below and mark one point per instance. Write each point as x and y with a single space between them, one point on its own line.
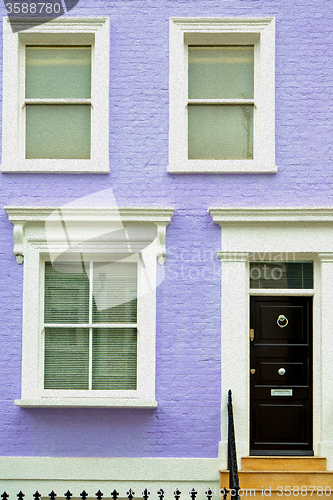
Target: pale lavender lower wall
187 421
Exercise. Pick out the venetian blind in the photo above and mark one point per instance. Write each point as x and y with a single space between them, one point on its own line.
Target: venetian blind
87 356
294 275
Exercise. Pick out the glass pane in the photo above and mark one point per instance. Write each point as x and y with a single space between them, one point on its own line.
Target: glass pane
220 132
66 362
58 72
281 275
114 358
220 72
115 292
58 131
66 294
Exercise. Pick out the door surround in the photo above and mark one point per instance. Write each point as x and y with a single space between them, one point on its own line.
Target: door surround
280 234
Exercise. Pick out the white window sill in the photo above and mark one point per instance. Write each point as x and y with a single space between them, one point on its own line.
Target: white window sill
222 167
56 166
85 402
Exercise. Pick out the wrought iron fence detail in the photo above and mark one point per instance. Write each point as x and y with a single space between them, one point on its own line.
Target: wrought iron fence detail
177 494
115 494
130 494
145 494
224 493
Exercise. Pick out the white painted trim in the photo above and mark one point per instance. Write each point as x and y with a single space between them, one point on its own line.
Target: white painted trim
110 469
92 401
214 31
163 215
21 216
293 233
271 214
94 31
280 291
49 232
29 474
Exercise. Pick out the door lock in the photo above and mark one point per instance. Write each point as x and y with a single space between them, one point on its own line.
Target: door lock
251 334
252 371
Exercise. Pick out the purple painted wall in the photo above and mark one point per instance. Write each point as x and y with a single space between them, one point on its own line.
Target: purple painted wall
187 421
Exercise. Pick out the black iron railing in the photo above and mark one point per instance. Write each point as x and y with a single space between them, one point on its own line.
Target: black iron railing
232 455
130 495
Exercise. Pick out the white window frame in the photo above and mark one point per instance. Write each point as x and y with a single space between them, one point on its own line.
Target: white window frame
89 228
208 31
92 32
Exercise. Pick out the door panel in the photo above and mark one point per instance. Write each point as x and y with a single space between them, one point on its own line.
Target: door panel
281 386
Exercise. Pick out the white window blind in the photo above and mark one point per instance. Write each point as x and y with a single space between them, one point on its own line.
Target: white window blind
90 321
283 275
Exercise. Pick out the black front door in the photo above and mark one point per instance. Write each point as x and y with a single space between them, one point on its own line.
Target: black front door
281 376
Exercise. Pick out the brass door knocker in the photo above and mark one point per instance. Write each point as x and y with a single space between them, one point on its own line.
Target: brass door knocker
282 321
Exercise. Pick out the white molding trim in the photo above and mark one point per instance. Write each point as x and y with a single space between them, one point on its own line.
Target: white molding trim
290 214
85 402
300 233
92 233
109 469
223 31
21 216
80 31
233 256
326 257
76 474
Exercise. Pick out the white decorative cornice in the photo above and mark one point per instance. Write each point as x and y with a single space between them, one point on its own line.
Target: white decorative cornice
325 257
59 24
83 214
23 217
215 23
261 215
233 256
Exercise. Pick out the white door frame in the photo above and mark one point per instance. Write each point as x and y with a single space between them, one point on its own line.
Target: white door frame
274 234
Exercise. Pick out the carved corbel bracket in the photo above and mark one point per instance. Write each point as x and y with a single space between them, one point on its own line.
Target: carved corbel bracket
18 243
161 239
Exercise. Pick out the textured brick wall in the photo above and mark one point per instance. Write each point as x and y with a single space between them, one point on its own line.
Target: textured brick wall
187 421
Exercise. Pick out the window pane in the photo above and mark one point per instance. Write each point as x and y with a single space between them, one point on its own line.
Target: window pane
115 292
58 131
58 72
220 72
114 358
66 294
66 362
220 132
281 275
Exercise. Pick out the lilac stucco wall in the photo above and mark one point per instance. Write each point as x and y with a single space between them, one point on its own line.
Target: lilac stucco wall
187 421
